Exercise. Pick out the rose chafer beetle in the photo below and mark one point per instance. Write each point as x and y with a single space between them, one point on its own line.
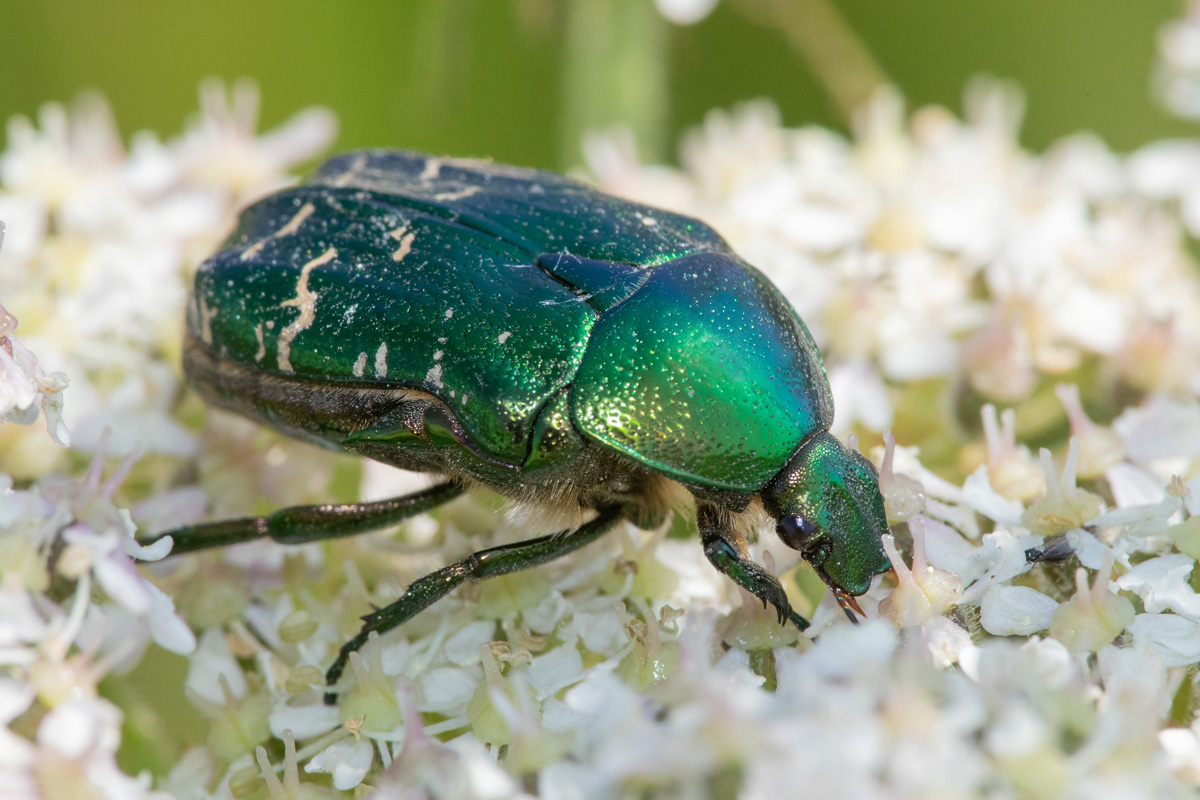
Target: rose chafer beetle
521 330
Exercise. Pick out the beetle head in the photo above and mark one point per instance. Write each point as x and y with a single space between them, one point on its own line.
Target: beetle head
827 505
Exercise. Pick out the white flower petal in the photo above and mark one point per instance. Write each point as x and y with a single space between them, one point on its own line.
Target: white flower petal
859 395
166 626
1000 558
447 690
685 12
346 760
1181 746
1056 667
947 642
462 649
1018 732
157 551
947 549
1162 584
554 668
1175 639
1015 611
88 727
1090 551
212 660
304 721
543 618
979 495
601 632
120 578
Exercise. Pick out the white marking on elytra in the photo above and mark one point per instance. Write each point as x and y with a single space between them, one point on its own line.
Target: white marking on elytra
437 355
206 318
348 315
649 222
381 361
502 338
360 364
449 313
405 237
262 348
270 324
464 399
288 229
433 166
452 393
350 174
306 301
441 340
461 194
434 375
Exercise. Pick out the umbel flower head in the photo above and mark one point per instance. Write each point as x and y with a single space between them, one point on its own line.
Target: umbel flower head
1039 643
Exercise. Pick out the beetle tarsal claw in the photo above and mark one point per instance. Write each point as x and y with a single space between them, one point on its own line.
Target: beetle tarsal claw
849 604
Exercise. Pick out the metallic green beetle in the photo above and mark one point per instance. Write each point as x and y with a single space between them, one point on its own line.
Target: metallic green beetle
521 330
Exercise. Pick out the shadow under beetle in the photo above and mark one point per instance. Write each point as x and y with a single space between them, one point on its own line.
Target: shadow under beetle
521 330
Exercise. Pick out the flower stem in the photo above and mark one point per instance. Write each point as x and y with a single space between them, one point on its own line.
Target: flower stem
615 73
838 58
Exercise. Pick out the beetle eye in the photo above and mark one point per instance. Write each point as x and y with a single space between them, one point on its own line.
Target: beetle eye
798 533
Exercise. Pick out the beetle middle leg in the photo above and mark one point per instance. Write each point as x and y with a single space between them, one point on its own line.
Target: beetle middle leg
489 563
301 524
718 538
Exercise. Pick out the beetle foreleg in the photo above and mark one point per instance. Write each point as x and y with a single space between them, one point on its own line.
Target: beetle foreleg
301 524
489 563
718 539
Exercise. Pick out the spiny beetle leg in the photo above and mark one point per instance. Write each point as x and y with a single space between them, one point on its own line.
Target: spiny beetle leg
301 524
750 576
490 563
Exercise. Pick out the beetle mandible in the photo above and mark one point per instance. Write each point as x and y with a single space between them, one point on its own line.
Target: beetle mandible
521 330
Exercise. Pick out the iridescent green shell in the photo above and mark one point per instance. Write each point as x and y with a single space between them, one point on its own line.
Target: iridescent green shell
501 290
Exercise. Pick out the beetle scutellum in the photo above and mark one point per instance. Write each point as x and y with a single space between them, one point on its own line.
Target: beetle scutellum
521 330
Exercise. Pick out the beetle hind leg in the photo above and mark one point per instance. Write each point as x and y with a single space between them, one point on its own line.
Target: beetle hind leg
302 524
718 538
489 563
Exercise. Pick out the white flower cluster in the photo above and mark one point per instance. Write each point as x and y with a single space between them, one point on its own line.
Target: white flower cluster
58 539
99 245
99 242
25 389
1041 643
1178 73
934 260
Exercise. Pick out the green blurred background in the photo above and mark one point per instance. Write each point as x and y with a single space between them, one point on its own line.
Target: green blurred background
519 80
